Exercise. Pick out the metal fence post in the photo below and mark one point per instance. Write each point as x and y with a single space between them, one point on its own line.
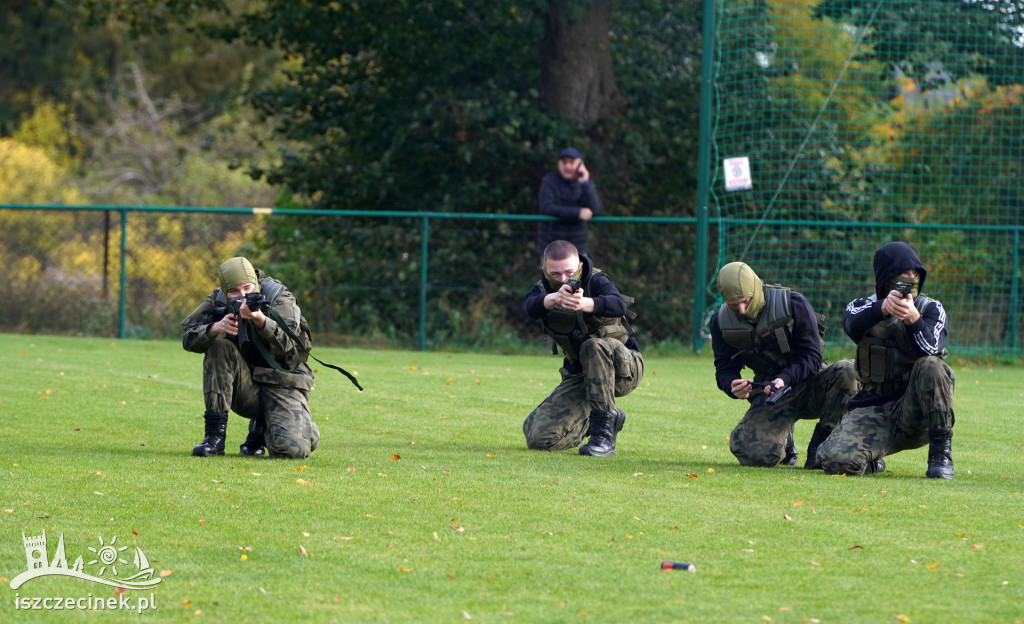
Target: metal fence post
704 172
122 297
424 257
1015 302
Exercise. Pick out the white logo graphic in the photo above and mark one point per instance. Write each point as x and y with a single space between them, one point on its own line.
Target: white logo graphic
106 561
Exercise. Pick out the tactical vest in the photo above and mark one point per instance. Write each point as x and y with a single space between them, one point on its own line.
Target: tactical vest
886 354
764 347
570 330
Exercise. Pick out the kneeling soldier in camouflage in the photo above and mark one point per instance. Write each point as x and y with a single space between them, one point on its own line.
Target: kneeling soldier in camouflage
907 396
774 331
254 363
584 314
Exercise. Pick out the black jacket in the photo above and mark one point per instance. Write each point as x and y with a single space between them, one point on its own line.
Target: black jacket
563 199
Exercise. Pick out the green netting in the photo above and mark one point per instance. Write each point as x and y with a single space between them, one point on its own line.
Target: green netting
866 122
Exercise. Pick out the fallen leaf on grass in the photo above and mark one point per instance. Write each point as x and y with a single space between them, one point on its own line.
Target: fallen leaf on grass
165 573
855 547
711 470
303 482
396 456
98 473
901 618
977 546
436 538
786 517
403 569
244 557
302 551
299 469
202 521
815 564
933 566
692 476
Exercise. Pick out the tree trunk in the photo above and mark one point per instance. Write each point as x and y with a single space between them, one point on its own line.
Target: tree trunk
576 74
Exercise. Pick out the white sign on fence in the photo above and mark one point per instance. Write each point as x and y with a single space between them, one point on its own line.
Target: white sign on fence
737 174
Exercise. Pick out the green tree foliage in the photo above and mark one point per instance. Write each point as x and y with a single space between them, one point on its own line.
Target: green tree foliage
938 42
438 106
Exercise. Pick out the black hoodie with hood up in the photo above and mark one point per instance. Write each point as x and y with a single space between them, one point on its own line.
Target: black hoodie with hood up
927 334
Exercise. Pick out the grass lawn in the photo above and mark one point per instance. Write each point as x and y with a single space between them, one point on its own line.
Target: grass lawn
423 504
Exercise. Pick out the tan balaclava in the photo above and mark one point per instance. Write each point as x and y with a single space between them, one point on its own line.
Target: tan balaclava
235 272
736 280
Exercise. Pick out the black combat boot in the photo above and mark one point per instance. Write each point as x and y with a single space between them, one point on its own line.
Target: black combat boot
821 433
254 442
603 428
216 430
791 455
940 454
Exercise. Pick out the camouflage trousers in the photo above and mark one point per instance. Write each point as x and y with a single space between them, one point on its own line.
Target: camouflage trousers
280 399
870 433
760 437
610 369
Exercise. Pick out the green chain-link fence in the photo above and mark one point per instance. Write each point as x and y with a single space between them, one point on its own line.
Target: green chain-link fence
863 122
412 279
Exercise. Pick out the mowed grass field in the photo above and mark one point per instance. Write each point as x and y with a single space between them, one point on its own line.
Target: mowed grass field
423 504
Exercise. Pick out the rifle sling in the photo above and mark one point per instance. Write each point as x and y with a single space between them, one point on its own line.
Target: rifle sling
272 313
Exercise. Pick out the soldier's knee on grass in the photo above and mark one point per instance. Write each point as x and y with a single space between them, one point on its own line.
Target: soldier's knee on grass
851 468
549 442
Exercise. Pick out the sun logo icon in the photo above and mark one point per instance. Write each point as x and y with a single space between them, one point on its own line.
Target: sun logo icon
107 554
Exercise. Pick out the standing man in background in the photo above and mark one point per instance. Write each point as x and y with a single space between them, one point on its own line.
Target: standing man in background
570 196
